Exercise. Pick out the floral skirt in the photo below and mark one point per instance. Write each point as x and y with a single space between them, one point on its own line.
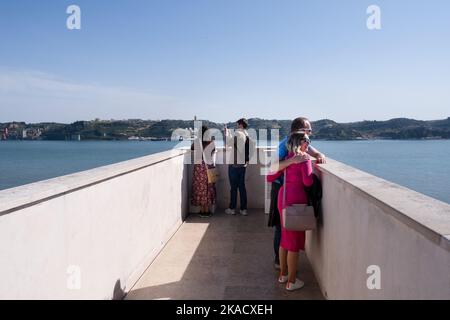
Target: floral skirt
203 193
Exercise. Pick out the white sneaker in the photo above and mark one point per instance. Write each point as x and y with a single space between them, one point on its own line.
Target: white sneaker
230 211
283 279
295 286
244 212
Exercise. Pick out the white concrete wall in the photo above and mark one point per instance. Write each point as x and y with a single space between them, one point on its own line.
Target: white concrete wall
110 221
369 221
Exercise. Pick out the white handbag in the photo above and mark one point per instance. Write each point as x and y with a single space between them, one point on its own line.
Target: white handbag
297 217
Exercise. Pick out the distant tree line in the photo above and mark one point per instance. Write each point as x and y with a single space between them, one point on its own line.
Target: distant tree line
400 128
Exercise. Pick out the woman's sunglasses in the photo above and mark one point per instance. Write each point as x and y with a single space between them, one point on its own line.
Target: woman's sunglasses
307 140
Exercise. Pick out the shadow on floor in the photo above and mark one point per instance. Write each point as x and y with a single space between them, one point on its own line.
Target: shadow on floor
222 257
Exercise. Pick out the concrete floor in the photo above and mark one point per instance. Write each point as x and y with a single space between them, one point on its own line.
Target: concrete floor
222 257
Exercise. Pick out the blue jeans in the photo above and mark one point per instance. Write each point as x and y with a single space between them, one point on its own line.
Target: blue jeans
237 181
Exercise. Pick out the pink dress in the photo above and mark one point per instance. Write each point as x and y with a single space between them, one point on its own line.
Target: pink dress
297 177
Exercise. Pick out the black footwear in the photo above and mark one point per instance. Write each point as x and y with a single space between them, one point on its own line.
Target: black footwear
205 214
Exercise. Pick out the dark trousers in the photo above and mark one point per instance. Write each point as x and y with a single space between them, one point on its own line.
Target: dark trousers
274 218
237 181
276 243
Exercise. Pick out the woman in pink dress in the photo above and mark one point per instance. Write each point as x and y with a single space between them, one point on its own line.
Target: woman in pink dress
297 175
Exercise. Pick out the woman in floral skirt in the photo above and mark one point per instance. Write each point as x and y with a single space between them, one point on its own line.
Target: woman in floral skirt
203 193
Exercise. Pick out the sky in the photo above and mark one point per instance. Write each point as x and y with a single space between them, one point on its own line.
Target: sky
224 59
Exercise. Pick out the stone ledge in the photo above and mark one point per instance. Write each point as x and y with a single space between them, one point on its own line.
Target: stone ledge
23 196
422 213
446 242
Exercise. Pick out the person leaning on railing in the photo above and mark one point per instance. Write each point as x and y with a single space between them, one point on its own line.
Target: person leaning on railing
298 175
300 124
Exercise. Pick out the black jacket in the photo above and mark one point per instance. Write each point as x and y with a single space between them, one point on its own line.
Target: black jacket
246 150
314 194
274 214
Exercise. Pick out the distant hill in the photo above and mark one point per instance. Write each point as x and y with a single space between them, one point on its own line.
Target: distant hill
400 128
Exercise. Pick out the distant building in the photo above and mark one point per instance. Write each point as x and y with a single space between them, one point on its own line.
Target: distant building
4 134
76 137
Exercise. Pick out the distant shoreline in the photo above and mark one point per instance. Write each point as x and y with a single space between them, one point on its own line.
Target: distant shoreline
126 140
136 129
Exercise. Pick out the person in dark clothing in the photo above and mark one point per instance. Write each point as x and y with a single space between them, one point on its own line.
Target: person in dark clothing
240 144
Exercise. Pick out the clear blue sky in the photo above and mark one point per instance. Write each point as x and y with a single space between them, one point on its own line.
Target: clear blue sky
223 59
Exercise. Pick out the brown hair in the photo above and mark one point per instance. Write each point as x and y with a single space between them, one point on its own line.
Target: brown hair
243 122
203 138
298 123
295 140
